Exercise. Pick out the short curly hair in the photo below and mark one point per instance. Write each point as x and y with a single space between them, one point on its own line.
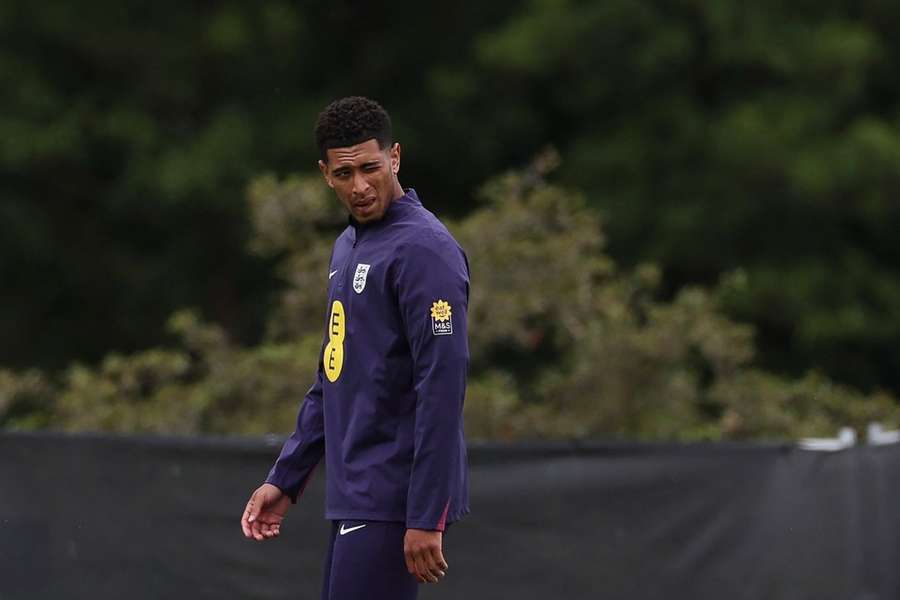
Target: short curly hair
350 121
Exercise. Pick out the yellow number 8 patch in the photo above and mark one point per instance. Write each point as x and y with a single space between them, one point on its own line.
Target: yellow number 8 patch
333 358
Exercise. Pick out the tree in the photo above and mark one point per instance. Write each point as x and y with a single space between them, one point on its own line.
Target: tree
128 133
755 143
758 138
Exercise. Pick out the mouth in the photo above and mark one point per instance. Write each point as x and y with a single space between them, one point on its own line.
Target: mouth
364 204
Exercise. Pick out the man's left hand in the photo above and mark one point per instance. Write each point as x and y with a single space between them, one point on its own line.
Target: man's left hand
424 558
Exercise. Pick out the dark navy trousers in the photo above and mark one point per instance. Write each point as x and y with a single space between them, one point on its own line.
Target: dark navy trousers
365 562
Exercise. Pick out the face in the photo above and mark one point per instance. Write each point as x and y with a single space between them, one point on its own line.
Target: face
364 177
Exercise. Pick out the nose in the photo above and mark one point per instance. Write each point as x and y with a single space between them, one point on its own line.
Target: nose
360 185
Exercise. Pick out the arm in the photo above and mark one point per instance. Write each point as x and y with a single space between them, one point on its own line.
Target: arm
304 449
292 471
432 292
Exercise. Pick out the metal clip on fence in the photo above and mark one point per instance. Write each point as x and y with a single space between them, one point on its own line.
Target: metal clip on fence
846 439
877 436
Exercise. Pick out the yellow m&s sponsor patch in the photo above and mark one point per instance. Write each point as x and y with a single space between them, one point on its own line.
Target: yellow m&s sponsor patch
441 318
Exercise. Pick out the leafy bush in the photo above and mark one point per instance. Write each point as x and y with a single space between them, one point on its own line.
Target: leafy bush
563 344
209 385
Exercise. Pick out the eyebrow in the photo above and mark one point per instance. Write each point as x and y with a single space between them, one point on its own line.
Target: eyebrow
369 163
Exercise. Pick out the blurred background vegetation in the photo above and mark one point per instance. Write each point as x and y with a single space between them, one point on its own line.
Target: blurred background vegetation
709 248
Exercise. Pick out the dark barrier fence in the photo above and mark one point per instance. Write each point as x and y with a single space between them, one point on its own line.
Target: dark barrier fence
122 517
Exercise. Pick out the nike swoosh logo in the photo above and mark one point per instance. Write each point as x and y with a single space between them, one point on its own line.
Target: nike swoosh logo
330 275
349 529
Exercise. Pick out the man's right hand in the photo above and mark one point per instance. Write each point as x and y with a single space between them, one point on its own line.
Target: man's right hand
264 512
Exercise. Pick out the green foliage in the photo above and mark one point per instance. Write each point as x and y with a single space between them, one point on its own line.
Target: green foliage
295 220
207 386
749 149
712 137
755 403
129 131
542 241
718 136
563 344
26 399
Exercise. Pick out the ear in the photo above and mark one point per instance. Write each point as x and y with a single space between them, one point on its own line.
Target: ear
324 169
395 158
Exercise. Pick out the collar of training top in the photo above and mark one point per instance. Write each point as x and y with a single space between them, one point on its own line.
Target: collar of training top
394 210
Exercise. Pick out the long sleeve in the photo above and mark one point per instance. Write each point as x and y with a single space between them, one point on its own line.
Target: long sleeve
432 291
304 449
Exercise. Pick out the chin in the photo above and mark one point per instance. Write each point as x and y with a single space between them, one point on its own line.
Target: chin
369 217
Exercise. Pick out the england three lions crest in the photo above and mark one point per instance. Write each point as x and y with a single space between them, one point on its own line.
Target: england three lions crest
359 278
441 318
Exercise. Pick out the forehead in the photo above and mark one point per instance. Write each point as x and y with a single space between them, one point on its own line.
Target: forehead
354 155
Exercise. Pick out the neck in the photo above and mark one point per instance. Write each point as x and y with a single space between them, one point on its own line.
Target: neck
398 190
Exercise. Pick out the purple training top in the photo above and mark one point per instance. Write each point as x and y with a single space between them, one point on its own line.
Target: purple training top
386 407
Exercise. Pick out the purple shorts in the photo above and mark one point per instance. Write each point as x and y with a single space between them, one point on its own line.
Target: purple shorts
365 562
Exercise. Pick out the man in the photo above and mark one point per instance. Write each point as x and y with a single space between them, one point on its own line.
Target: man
386 407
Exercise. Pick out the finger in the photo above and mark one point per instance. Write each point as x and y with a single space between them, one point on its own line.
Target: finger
438 556
245 524
418 569
270 524
410 562
420 577
256 529
273 531
253 507
424 570
432 565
